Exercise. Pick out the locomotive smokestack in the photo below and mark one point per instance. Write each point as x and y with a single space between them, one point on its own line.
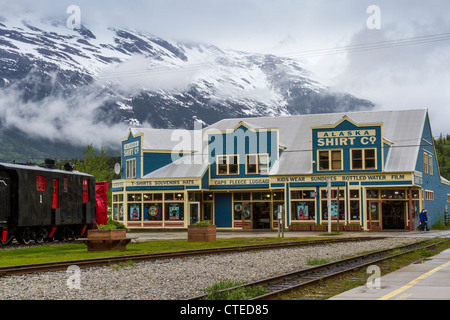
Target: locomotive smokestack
50 163
69 166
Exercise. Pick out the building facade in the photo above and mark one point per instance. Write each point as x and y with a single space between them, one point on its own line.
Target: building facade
248 173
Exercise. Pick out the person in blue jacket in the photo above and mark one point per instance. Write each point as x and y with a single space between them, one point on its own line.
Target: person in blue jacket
423 220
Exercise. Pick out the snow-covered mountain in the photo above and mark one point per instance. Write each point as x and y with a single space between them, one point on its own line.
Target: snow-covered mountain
88 85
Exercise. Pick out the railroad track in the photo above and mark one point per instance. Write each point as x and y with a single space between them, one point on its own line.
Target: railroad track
56 266
289 282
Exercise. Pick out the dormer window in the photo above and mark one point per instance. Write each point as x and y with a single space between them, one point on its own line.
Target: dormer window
363 159
330 160
227 164
257 164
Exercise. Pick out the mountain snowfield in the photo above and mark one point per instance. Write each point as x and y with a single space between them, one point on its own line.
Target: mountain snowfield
89 85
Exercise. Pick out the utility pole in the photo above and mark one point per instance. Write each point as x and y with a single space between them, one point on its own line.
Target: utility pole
329 203
337 198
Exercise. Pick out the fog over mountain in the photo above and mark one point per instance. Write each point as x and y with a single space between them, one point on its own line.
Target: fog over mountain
62 89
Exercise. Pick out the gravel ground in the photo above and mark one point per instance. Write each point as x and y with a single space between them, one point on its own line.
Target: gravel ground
176 278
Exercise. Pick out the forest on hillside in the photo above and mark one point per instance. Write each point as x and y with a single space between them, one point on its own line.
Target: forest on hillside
442 145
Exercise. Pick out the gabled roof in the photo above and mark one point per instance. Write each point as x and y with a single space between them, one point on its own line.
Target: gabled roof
401 129
160 139
189 166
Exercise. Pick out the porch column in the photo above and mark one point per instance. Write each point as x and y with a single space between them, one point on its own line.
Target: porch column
410 208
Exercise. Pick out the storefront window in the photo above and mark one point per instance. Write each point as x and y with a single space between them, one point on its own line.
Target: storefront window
157 197
393 194
179 196
302 194
266 196
257 196
169 196
238 210
174 211
354 210
207 211
121 211
152 196
134 197
334 209
354 194
296 194
276 208
333 194
372 194
116 212
195 196
152 211
134 212
278 195
303 210
208 196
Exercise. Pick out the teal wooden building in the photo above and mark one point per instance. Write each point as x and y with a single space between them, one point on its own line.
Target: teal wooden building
239 173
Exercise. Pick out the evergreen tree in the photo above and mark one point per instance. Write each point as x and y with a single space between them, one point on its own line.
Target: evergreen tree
443 155
99 164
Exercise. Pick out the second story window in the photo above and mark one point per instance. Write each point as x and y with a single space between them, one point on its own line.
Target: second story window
363 159
427 163
227 164
257 164
131 168
330 160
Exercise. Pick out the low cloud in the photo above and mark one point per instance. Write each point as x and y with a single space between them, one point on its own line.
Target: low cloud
401 77
60 118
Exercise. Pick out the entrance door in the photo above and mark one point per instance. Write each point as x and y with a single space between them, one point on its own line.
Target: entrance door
261 215
374 216
394 214
247 216
55 194
194 212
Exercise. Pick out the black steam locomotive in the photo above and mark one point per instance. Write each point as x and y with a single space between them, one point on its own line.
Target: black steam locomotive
43 203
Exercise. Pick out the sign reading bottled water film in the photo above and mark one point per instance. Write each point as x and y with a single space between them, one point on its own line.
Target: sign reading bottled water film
375 177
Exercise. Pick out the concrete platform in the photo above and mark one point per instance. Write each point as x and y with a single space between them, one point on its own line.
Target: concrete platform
429 280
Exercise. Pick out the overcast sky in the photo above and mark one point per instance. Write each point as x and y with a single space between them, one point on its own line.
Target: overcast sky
406 76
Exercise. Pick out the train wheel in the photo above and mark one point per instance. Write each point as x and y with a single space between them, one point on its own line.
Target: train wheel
26 236
40 236
69 234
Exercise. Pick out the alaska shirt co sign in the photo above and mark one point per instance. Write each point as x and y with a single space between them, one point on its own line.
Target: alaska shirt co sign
131 149
346 138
